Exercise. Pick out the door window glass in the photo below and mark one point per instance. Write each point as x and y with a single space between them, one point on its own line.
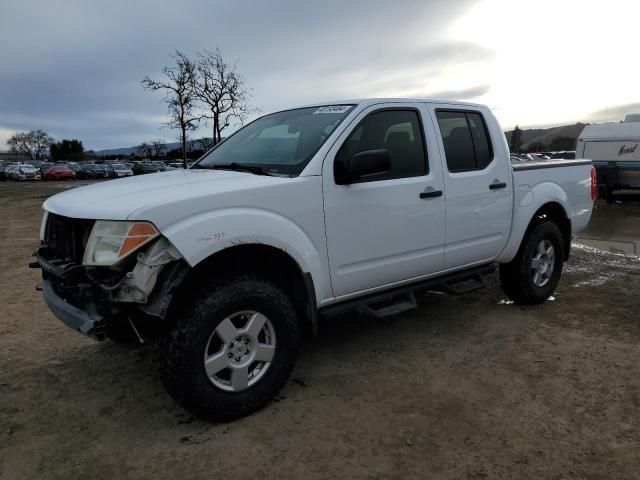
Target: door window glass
398 131
467 145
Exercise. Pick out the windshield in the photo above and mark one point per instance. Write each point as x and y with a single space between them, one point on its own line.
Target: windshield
279 143
118 167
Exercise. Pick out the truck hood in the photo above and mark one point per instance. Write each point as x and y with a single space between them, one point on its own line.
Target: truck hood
132 197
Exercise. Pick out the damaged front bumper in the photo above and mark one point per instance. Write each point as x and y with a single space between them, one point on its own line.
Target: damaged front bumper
92 325
94 300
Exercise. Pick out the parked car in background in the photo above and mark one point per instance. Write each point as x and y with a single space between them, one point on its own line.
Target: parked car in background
118 170
174 166
59 172
44 166
3 169
160 165
566 155
141 168
93 170
9 171
24 171
74 166
540 156
35 163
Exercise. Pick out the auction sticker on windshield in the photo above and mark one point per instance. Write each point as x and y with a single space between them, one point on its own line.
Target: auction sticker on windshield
333 109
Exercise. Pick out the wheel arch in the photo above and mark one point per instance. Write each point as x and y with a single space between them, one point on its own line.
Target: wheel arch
267 261
553 210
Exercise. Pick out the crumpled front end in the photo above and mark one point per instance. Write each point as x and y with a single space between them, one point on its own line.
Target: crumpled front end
97 299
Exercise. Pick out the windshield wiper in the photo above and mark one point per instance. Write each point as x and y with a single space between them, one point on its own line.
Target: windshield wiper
239 167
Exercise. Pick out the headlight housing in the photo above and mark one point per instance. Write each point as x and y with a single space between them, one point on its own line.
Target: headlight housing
111 241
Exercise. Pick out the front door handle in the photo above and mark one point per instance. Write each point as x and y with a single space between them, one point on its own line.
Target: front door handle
431 194
497 185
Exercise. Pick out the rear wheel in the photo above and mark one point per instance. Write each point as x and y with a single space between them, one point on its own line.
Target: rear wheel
533 275
232 348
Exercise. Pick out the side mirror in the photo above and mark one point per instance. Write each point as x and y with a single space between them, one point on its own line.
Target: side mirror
363 164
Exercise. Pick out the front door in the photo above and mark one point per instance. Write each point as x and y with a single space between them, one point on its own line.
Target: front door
388 227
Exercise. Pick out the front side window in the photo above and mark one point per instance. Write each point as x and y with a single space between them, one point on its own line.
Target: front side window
398 131
466 141
281 143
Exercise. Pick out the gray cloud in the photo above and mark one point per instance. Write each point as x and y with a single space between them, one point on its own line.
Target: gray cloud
613 114
74 68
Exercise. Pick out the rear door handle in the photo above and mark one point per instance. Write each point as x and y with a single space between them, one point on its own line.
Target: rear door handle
431 194
497 185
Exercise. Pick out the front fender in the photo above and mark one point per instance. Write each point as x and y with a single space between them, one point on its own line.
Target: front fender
528 200
200 236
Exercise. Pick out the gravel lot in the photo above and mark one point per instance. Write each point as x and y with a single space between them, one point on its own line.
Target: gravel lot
468 387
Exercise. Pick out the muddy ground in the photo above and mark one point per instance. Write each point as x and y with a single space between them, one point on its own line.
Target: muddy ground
465 387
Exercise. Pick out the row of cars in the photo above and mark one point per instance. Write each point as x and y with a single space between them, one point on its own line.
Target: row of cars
36 170
542 156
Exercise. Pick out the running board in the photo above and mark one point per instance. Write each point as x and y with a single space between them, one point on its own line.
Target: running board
461 286
386 305
402 299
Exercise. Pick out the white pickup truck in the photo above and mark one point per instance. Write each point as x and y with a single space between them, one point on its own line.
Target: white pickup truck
304 213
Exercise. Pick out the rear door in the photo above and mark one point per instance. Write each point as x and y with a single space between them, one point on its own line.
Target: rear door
388 227
478 190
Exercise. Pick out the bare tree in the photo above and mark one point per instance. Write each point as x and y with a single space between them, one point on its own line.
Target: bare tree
34 144
153 149
221 89
204 143
180 96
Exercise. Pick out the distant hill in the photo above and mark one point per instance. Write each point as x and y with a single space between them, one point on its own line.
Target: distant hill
545 135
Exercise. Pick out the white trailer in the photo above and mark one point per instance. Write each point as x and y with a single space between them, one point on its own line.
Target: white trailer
615 151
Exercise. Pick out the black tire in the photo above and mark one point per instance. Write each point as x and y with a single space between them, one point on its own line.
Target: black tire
516 276
182 351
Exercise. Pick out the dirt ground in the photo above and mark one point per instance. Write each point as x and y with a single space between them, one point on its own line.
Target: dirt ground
468 387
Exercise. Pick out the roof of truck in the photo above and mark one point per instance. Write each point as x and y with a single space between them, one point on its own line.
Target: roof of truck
373 101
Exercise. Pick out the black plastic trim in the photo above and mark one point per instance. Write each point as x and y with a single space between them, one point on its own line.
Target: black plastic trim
312 303
431 194
71 316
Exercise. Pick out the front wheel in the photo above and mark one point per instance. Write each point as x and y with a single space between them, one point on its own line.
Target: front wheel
232 348
533 275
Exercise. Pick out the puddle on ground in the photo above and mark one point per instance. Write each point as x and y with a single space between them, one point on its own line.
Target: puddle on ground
614 227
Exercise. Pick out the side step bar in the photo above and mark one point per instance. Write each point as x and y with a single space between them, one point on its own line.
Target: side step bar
402 299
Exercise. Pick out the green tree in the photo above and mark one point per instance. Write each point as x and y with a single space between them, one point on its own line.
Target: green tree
71 150
516 140
562 143
536 147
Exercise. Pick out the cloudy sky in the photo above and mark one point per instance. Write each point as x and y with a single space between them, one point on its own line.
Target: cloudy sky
73 67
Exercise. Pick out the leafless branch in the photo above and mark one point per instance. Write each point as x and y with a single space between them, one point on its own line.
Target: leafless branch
179 96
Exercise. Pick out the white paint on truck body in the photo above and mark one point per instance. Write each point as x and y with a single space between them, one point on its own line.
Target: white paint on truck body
353 239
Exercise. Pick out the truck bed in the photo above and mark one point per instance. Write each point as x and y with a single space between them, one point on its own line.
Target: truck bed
548 164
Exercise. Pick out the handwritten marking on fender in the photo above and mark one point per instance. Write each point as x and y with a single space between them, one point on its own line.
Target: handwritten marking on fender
210 237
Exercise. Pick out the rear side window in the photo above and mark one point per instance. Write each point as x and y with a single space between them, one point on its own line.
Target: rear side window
400 132
467 145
